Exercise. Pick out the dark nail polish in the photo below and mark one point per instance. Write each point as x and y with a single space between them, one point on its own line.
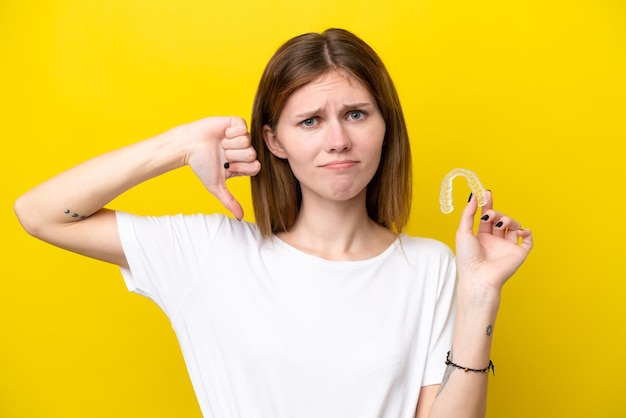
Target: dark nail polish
470 198
499 224
226 165
485 217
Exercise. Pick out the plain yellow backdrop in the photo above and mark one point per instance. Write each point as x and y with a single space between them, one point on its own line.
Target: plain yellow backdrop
530 95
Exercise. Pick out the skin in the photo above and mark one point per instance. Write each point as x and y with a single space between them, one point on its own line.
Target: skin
331 133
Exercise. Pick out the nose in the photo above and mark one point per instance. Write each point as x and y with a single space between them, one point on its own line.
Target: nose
338 138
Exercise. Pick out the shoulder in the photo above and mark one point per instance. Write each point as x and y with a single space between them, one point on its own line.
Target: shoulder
427 256
425 247
207 226
431 260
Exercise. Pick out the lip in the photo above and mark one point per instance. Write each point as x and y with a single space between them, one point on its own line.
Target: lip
340 164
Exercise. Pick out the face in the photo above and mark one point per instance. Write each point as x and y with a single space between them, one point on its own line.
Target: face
331 132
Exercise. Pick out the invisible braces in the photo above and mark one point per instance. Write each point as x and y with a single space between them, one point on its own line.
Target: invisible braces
445 196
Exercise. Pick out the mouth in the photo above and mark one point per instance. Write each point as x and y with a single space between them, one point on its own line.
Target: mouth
340 165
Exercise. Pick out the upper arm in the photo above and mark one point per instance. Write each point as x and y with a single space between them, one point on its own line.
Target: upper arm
426 399
96 236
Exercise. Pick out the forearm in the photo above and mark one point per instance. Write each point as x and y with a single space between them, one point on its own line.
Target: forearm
83 190
464 394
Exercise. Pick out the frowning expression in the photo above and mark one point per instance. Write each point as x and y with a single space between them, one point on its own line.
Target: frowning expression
331 131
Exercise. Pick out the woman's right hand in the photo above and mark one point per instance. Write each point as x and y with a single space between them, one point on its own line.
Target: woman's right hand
214 142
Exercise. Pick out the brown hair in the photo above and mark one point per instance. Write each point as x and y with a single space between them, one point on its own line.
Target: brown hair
276 194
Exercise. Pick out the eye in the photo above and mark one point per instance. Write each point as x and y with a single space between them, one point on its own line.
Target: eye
356 115
308 123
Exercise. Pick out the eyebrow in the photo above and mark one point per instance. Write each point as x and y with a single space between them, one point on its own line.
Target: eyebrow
344 108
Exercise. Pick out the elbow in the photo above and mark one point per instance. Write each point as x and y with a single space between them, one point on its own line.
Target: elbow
26 215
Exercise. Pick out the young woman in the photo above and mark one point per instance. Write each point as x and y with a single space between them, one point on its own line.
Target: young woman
323 307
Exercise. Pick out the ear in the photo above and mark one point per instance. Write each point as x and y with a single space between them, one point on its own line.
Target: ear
273 143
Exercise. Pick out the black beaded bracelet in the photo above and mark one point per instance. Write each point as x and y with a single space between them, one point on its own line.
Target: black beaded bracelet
467 369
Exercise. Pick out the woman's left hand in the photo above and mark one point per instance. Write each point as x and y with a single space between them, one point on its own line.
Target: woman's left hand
499 247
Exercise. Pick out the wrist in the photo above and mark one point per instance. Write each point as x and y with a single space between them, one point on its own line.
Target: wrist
474 294
178 144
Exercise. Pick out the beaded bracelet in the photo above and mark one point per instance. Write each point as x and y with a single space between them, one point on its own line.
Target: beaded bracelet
467 369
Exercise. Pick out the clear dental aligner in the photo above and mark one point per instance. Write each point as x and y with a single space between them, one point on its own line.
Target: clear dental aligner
445 196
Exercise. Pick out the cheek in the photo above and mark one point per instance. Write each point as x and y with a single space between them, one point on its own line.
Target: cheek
376 160
376 135
376 146
297 155
298 148
375 152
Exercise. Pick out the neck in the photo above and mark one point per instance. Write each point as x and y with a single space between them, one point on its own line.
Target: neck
339 231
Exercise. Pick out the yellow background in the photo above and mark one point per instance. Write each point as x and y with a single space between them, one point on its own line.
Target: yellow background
528 94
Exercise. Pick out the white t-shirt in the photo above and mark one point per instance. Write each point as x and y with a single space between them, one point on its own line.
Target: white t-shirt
269 331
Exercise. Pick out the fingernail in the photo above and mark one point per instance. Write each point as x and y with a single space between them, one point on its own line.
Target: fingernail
470 198
499 224
226 165
485 217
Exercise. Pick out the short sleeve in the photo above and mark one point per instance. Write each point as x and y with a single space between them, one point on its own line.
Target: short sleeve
443 321
165 253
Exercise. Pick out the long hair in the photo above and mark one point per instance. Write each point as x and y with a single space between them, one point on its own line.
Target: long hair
276 193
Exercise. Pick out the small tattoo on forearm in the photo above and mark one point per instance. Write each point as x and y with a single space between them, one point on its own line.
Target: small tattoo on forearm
74 214
489 330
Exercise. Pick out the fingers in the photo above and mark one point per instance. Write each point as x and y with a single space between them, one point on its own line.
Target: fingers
240 156
227 199
466 224
484 225
497 223
221 150
501 225
240 160
237 127
494 223
527 239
